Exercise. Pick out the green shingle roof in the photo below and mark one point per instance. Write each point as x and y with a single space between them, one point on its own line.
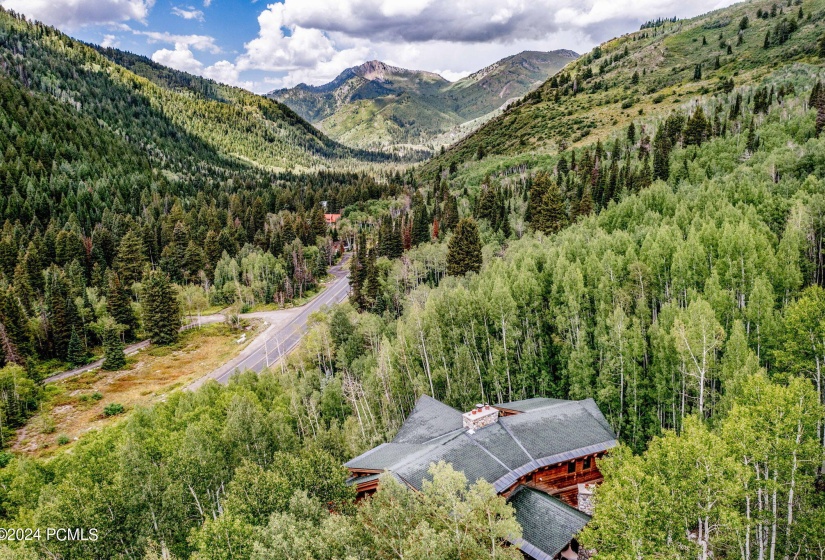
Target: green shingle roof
548 525
530 404
428 420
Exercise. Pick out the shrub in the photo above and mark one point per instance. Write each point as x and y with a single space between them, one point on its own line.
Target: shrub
97 396
113 409
63 439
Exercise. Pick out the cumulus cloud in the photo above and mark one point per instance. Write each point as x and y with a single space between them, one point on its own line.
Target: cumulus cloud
110 41
472 21
312 41
188 12
77 13
181 58
197 42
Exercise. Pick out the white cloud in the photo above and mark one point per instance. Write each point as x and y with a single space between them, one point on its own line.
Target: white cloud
77 13
197 42
187 13
110 41
472 21
225 72
180 59
312 41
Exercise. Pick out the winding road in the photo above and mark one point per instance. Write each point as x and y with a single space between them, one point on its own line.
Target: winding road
285 329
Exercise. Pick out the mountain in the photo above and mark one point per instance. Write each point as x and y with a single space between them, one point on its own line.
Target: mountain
376 105
160 111
646 74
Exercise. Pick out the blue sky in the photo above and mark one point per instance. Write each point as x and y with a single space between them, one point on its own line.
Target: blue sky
264 45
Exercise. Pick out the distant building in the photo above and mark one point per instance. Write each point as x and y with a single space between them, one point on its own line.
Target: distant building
541 454
332 219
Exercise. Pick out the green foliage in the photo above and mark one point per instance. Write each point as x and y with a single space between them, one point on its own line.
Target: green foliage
710 484
113 409
161 313
113 351
464 249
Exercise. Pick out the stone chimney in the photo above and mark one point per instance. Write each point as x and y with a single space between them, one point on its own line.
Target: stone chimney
482 415
585 498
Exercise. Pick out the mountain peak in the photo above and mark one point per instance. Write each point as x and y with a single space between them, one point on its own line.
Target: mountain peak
380 71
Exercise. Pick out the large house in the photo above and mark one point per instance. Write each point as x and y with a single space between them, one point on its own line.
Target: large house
542 454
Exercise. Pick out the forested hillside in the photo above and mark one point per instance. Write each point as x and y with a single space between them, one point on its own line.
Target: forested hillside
642 76
104 177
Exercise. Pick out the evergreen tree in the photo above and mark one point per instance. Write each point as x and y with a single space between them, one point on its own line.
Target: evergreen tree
537 204
421 225
76 354
449 219
696 128
464 249
119 305
697 72
358 273
820 119
661 155
389 239
555 214
114 357
131 258
585 207
371 284
821 46
161 314
631 134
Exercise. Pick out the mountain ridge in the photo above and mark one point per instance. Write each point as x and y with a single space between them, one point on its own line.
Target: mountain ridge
376 105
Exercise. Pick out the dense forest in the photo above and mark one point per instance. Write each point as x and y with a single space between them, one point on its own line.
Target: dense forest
669 265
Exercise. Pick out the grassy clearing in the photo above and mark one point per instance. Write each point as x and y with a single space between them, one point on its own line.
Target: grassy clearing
77 405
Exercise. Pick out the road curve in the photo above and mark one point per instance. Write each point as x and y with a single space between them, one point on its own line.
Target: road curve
287 327
279 338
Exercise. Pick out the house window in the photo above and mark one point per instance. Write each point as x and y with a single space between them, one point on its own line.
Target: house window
586 464
571 467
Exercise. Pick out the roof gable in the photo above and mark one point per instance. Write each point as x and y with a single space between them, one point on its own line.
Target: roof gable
548 525
428 420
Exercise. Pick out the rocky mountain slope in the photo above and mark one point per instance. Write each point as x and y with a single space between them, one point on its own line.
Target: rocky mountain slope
376 105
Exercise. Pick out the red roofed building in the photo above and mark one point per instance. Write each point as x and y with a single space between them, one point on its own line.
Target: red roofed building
332 219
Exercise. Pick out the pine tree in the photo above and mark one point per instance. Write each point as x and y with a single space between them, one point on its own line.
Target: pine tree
752 142
119 305
389 239
421 225
631 134
358 272
76 354
556 216
820 119
585 207
661 155
695 130
449 219
113 350
536 205
697 72
464 249
161 314
371 284
131 258
821 46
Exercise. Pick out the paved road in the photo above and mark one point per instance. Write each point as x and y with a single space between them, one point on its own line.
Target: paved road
285 329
